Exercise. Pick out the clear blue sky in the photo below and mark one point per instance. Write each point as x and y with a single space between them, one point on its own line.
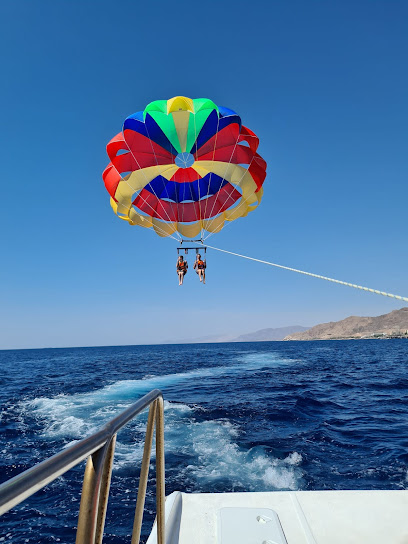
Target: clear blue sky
324 84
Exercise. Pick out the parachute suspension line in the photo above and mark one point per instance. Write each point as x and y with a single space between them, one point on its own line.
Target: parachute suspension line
243 200
226 169
375 291
198 182
210 178
241 203
158 228
161 172
144 200
184 194
165 235
147 182
186 181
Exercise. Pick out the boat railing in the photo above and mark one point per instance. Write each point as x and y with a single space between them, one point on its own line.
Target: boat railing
99 449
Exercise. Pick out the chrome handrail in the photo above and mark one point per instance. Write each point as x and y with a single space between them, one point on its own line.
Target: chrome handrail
99 449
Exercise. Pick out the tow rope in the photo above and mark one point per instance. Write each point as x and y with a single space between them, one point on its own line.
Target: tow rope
375 291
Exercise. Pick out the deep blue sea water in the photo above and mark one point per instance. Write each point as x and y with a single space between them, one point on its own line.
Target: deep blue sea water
238 417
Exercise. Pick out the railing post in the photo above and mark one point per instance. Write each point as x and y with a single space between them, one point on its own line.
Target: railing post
160 485
98 468
144 475
86 525
104 490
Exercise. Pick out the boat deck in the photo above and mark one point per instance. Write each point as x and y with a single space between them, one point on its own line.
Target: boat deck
302 517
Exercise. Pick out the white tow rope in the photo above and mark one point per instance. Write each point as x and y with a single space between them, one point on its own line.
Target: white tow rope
383 293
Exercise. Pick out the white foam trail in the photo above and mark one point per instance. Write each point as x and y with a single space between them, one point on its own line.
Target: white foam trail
212 455
74 416
217 457
209 447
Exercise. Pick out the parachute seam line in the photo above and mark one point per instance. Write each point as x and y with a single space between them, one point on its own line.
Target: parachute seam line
198 182
213 156
128 184
226 169
193 201
161 171
211 220
199 192
164 232
355 286
191 188
147 182
243 200
151 207
185 177
195 158
159 228
234 185
185 181
142 170
182 211
209 181
228 198
177 191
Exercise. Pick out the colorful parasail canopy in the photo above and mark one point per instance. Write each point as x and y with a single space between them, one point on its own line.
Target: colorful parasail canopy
184 165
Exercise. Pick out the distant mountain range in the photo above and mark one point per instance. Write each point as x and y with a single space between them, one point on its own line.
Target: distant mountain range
394 324
263 335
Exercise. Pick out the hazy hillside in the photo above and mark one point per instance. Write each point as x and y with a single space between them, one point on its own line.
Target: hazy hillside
393 324
264 335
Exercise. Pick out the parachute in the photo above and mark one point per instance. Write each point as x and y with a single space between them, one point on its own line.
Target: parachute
184 166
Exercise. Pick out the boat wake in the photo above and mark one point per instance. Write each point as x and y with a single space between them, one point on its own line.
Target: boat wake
201 453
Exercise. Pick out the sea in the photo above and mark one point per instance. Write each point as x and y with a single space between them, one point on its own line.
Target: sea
260 416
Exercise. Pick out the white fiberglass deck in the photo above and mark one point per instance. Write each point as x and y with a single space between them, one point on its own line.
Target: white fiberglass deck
306 517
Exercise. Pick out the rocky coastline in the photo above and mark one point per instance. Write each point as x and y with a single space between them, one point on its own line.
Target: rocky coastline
383 327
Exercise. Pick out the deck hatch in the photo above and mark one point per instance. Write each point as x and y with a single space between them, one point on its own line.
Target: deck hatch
249 526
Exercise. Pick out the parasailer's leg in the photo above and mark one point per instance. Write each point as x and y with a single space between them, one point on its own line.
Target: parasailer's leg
201 274
181 277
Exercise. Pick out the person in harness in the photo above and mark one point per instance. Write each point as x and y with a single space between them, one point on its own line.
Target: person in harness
200 266
181 269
